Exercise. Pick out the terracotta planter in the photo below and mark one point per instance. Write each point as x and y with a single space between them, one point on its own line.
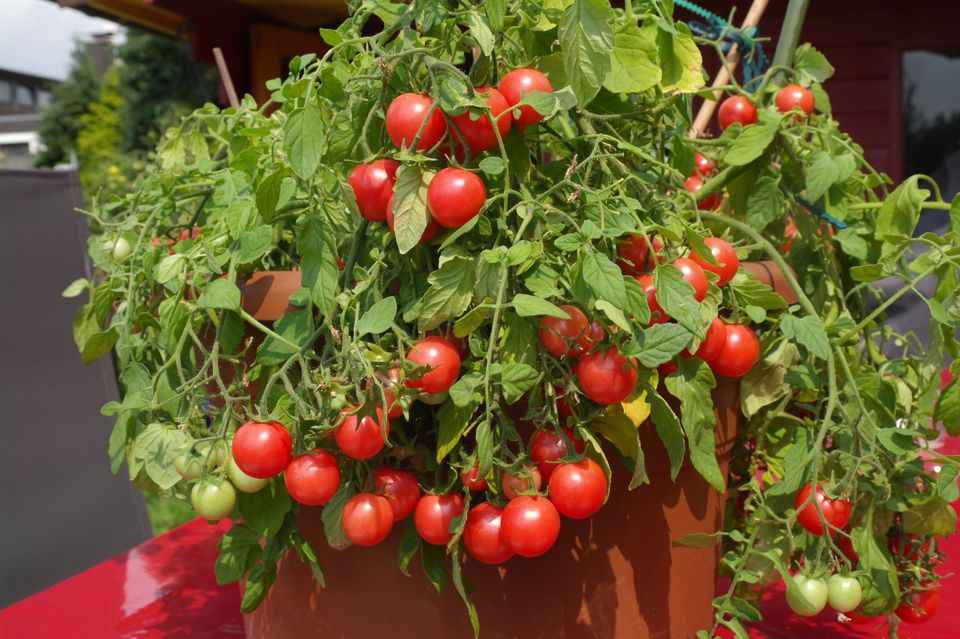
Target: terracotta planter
615 575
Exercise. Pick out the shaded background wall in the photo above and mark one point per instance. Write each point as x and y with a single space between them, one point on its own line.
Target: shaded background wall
61 510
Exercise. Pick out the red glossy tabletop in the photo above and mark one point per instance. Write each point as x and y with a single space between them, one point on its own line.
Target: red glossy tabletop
163 588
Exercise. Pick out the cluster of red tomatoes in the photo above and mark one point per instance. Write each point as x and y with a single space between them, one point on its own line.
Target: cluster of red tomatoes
843 592
606 376
455 195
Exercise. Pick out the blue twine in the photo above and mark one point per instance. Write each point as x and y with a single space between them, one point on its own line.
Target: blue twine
838 224
753 59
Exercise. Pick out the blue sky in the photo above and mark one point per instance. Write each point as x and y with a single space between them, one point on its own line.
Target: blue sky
36 36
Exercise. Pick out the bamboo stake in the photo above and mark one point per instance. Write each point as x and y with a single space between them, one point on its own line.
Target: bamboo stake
702 120
225 78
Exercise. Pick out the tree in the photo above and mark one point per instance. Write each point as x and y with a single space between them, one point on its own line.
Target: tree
99 139
60 122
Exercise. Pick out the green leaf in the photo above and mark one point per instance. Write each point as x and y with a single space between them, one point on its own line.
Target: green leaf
614 426
675 296
516 379
170 267
258 583
661 343
764 383
410 216
947 482
699 540
303 140
378 318
751 142
517 341
899 441
155 449
821 173
296 328
811 64
332 517
454 422
220 294
450 293
98 344
604 278
434 562
879 577
491 165
481 32
947 409
264 511
409 544
955 215
751 291
636 307
765 203
668 428
460 584
530 306
933 517
899 214
691 384
633 65
268 194
680 61
255 244
239 549
320 273
308 556
465 389
496 12
76 287
586 40
808 331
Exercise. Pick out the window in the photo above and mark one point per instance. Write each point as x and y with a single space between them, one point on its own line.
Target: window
24 96
43 98
931 117
6 91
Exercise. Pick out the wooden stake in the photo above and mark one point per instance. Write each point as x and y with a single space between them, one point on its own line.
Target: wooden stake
225 78
702 121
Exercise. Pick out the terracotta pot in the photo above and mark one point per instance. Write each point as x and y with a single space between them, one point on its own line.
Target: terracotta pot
615 575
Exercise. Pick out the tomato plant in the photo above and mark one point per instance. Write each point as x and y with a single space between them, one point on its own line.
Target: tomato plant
920 605
578 489
480 133
455 197
361 437
809 597
836 512
410 115
482 536
213 500
515 84
606 377
844 593
400 487
725 257
565 337
433 516
548 448
736 109
472 480
740 351
794 96
440 356
372 186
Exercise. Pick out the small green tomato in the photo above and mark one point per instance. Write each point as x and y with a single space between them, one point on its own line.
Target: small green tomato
120 250
844 593
242 481
812 596
213 500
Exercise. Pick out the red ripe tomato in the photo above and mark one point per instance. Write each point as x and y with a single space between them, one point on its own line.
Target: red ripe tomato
407 113
835 511
479 134
578 490
262 449
455 196
482 537
633 254
563 406
373 187
710 203
519 81
657 316
313 479
399 487
367 519
846 547
513 485
726 257
472 480
606 377
668 368
441 356
702 165
739 354
548 448
794 96
433 517
736 109
428 233
363 440
563 337
530 525
712 345
789 233
920 606
694 276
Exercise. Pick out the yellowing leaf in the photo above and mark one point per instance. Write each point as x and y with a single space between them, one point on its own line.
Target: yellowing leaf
637 408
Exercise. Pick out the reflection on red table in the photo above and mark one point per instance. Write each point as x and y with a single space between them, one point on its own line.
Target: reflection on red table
164 588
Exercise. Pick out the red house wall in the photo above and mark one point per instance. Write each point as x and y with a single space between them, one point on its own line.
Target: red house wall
865 40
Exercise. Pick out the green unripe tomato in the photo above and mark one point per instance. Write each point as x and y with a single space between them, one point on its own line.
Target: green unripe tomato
120 249
214 454
844 593
242 481
812 596
213 500
189 465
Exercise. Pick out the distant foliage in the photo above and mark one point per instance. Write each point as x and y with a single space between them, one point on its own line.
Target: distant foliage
60 122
